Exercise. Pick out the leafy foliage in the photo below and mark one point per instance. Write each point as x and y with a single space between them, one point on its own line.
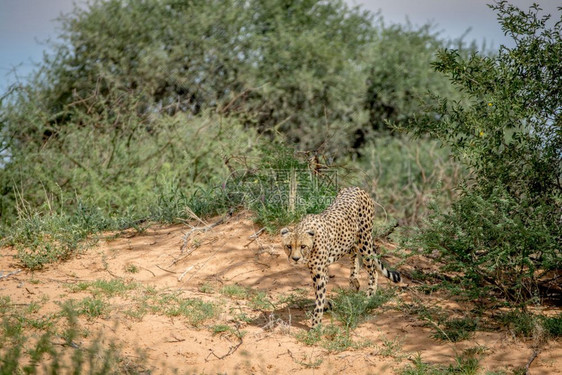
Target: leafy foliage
281 65
404 175
351 307
399 73
504 231
553 325
138 162
457 329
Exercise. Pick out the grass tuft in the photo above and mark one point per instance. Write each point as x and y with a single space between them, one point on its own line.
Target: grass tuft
456 330
352 307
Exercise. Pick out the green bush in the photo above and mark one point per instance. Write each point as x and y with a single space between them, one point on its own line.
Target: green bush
89 179
322 73
404 175
285 187
279 65
504 231
399 73
553 325
133 166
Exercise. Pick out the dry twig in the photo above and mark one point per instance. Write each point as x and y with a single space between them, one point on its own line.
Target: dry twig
184 272
533 356
204 228
10 274
163 269
231 350
254 236
146 269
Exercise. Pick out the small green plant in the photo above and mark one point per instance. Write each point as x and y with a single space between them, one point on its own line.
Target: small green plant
92 307
108 288
5 304
337 340
351 307
228 330
296 299
331 338
519 322
136 312
220 328
390 348
242 317
131 268
112 287
553 325
80 286
466 363
260 301
312 336
206 288
42 323
195 310
456 330
235 291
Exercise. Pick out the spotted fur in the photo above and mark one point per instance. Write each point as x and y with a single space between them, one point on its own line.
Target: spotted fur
345 227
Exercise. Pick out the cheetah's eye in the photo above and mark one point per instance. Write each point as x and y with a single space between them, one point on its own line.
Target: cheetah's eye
303 247
288 247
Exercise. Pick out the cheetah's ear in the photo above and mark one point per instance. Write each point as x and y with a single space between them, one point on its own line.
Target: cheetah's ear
285 231
311 232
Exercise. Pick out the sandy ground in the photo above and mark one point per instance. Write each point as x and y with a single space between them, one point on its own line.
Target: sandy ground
229 255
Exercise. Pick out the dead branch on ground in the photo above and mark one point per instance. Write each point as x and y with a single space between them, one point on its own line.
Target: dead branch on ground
10 274
163 269
254 236
533 356
231 350
204 228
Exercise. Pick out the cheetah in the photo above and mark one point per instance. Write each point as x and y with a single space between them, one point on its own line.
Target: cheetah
345 227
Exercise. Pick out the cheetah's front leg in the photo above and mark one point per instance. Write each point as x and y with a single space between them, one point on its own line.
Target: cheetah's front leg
319 280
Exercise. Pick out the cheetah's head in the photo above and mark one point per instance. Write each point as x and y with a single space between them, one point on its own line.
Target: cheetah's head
297 245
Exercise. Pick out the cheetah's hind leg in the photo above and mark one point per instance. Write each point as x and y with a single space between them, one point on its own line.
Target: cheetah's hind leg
355 267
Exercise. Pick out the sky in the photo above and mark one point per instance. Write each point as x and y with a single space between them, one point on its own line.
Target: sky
25 25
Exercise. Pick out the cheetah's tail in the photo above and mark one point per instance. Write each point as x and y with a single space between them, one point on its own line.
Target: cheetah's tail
389 274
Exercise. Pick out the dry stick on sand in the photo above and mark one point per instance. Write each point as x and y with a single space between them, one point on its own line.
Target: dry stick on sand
533 356
205 228
254 236
231 350
163 269
184 272
146 269
10 274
